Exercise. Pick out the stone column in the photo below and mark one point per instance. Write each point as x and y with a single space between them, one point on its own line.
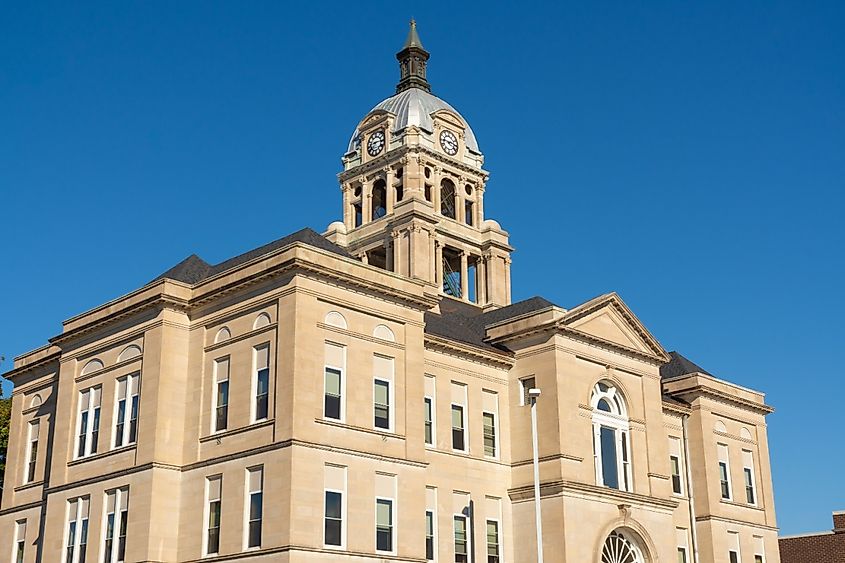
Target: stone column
388 252
395 246
435 188
464 271
507 280
346 213
366 202
438 265
481 275
391 192
479 203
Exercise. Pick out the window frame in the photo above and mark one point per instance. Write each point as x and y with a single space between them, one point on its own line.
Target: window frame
248 505
430 424
393 520
19 544
724 483
618 423
342 544
389 384
207 515
498 524
92 422
748 475
119 527
495 427
123 426
524 399
254 395
33 428
82 525
467 537
215 393
463 428
433 535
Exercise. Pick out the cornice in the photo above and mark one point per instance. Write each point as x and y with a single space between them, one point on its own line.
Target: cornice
15 372
719 396
607 494
390 157
460 349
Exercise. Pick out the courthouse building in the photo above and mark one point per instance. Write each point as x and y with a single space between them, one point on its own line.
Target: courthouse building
361 395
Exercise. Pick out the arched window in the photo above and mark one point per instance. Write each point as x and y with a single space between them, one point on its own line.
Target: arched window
619 547
222 334
333 318
261 321
379 199
447 198
92 366
383 332
611 437
131 351
35 401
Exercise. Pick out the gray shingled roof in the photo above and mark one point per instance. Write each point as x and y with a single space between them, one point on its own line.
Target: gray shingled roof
194 269
680 366
467 323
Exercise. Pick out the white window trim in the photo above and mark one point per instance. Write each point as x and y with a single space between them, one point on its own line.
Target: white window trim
393 519
127 411
727 463
77 544
254 384
390 407
247 496
207 512
18 539
465 428
342 370
433 512
118 518
753 478
433 443
496 446
89 430
735 546
622 431
343 503
214 393
468 534
29 443
498 522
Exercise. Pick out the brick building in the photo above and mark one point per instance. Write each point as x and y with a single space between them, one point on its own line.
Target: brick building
821 547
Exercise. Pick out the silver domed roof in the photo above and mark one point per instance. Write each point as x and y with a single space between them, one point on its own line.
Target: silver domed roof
414 106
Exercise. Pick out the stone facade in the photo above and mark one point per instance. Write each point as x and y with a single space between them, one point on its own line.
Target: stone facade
826 547
362 396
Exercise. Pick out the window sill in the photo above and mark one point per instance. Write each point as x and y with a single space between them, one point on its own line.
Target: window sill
101 455
741 505
336 424
235 431
27 486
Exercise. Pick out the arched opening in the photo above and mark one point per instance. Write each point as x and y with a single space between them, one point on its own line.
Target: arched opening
621 547
611 437
447 198
400 185
379 201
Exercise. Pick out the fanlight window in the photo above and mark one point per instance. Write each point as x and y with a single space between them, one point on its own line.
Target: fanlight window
131 351
222 335
261 320
92 366
620 549
611 437
384 333
333 318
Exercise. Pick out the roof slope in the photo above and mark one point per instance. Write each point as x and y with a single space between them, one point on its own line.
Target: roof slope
194 269
680 366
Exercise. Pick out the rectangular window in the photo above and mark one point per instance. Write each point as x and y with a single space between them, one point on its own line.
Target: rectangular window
384 524
461 550
468 213
255 506
262 382
77 530
333 381
609 465
117 514
126 410
758 559
334 518
724 472
682 544
458 438
675 464
492 541
32 457
429 535
759 550
748 473
489 434
213 492
524 386
429 421
20 540
359 215
381 404
221 394
89 422
733 543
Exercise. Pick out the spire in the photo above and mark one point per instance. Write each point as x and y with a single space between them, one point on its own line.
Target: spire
412 60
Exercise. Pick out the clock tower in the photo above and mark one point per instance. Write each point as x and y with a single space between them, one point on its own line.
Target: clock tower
413 193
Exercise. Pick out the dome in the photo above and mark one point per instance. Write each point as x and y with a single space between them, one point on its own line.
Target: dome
414 106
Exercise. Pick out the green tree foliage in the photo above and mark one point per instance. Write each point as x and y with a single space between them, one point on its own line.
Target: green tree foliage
5 418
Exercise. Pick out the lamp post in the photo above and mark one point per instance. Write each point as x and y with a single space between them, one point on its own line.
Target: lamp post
533 394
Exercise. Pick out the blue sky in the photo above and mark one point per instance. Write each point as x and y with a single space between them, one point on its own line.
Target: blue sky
690 156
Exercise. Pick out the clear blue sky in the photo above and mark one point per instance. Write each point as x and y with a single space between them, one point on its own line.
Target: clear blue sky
690 156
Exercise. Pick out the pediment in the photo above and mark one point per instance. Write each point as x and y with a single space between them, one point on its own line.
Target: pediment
450 118
608 319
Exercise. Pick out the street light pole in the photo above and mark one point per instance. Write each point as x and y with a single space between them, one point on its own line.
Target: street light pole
533 393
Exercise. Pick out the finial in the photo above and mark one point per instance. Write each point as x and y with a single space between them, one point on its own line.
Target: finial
412 61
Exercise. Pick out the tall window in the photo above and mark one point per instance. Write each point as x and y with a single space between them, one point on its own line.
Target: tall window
759 550
447 198
20 540
469 212
32 457
381 404
748 474
126 416
458 438
461 547
117 515
262 382
333 527
611 437
379 200
429 535
682 545
77 530
429 421
733 549
724 472
384 524
675 465
255 506
213 492
89 421
221 394
492 541
333 375
489 434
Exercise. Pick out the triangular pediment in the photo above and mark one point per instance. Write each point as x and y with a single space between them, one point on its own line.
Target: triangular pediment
608 319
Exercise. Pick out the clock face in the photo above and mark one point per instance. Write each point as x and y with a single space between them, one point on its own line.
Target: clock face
449 142
375 143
